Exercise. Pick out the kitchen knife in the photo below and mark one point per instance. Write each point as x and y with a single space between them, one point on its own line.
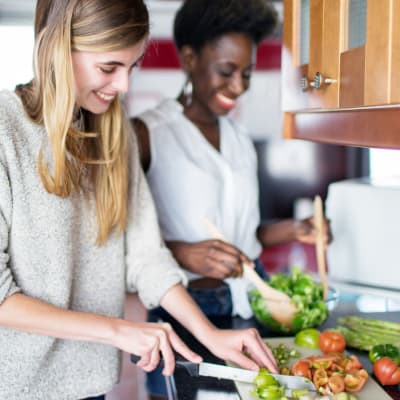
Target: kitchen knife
237 374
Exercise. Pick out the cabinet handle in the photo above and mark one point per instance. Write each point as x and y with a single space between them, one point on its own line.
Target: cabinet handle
304 85
319 81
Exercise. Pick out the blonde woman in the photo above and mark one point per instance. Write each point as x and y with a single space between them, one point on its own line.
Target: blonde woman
77 222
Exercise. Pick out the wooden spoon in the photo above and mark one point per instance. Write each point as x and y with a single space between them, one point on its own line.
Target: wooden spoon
278 303
320 244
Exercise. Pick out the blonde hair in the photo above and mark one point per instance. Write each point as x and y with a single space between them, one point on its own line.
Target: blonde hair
95 159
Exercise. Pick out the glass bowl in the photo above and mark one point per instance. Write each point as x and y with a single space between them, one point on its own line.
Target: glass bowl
310 312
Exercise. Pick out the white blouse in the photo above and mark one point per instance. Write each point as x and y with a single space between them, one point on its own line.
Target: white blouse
191 181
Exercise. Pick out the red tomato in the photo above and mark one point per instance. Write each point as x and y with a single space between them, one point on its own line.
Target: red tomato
354 381
302 368
353 363
330 341
324 361
336 383
387 371
320 377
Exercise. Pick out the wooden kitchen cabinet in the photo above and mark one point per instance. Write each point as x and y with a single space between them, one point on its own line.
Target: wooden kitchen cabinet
341 71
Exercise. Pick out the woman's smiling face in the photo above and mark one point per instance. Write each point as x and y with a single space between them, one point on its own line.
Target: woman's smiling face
220 73
100 77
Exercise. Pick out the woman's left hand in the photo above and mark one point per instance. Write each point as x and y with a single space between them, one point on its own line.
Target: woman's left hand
243 347
305 231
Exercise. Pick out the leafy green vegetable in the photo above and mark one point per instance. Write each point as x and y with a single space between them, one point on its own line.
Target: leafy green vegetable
305 293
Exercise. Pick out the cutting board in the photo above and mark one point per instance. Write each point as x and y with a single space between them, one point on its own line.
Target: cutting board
371 390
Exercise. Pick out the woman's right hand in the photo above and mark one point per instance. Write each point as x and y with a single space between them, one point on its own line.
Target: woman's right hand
210 258
151 341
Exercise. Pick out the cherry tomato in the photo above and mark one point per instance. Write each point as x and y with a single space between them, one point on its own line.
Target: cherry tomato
355 381
329 341
336 383
387 371
320 377
353 363
302 368
324 361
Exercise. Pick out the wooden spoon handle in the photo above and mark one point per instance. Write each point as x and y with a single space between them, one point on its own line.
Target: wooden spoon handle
249 273
267 292
319 244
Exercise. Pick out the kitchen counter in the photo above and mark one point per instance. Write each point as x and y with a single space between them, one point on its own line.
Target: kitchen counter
203 388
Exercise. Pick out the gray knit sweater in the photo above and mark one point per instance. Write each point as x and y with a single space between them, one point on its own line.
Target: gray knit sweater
48 251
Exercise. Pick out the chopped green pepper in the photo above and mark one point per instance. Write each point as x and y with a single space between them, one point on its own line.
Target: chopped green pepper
265 380
298 393
384 350
272 392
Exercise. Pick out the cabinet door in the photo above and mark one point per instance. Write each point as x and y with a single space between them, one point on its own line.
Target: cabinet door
295 54
371 59
352 57
354 51
382 54
312 41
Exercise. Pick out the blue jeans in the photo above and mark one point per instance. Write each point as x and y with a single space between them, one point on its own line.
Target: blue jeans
96 398
214 303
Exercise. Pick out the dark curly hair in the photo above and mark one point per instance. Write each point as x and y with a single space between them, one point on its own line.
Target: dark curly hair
199 22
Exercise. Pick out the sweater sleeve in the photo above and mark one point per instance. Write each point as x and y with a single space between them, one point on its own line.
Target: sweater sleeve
151 268
7 283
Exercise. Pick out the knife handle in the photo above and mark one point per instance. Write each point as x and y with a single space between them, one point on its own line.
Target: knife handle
191 368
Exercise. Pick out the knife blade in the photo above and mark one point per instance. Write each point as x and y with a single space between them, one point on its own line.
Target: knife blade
246 375
237 374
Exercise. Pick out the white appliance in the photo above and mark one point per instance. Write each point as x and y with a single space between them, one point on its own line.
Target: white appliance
365 223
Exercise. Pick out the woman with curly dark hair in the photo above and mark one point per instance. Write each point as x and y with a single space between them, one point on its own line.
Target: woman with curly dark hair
201 165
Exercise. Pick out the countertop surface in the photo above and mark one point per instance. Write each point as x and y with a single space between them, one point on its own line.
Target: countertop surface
203 388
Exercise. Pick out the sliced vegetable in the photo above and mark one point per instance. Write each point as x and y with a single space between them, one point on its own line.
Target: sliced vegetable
387 371
302 368
299 393
384 350
355 381
353 363
320 377
263 379
283 354
332 373
267 387
336 383
330 341
272 392
307 338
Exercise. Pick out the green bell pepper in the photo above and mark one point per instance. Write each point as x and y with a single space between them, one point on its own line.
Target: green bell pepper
384 350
